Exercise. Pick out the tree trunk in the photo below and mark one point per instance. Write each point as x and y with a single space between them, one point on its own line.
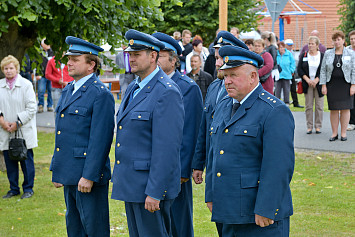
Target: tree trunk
16 41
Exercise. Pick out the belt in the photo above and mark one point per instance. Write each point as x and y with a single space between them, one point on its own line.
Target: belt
128 73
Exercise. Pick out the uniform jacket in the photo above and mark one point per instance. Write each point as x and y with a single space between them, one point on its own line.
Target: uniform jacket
192 98
303 69
287 63
348 66
84 133
148 142
18 103
201 159
253 159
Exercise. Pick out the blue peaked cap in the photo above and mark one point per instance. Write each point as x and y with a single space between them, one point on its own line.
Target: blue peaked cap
141 41
170 43
79 46
234 56
226 38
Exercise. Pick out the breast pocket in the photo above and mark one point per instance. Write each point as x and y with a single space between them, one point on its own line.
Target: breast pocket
140 116
247 131
78 111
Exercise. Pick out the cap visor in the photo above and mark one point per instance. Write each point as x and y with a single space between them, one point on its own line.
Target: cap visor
71 53
232 65
217 46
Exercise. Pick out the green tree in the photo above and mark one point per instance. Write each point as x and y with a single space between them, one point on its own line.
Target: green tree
24 22
202 17
347 12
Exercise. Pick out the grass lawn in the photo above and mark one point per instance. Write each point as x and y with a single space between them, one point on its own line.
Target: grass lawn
323 193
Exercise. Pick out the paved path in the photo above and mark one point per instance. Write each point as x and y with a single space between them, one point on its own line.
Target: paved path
45 121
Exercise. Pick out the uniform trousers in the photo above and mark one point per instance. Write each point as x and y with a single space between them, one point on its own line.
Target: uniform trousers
284 86
28 170
142 223
278 229
181 212
312 97
87 213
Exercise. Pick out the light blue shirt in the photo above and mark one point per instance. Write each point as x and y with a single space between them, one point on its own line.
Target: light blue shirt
78 84
246 97
144 82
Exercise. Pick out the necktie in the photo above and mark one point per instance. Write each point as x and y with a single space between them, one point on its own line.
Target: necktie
130 98
69 93
235 107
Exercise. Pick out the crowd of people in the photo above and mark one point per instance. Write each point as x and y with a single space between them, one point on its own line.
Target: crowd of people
185 110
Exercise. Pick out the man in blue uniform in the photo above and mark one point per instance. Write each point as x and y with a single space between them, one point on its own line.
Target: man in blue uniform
150 124
181 210
216 91
253 153
84 132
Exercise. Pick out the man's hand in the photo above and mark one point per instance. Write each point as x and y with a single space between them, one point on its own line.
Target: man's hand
85 185
263 221
151 204
183 180
352 90
57 185
12 127
209 205
197 176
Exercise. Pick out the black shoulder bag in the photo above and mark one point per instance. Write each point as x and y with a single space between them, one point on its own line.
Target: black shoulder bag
17 146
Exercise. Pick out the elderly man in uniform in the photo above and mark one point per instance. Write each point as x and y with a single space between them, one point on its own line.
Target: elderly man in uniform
181 210
84 132
150 125
250 172
216 91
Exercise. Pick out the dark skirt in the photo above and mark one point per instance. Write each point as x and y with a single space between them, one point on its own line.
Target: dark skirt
338 92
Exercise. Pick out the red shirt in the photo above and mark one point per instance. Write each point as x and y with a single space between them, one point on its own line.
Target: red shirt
54 74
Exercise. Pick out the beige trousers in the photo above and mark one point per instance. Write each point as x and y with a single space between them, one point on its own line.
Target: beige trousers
312 97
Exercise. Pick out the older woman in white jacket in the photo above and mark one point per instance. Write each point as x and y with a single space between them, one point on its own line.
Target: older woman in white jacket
17 111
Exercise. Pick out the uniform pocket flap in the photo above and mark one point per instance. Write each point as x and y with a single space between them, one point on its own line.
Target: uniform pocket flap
140 115
78 111
249 180
141 165
251 131
80 152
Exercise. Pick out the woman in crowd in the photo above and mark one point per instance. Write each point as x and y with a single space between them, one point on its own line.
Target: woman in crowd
351 125
265 72
287 63
271 47
309 70
17 111
197 49
337 77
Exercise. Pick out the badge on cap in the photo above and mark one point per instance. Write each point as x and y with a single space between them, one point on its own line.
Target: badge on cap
226 59
131 42
220 40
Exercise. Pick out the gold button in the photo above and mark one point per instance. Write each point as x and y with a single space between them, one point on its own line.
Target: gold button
62 115
226 131
271 99
120 127
148 87
275 214
95 81
58 132
219 174
139 116
102 175
212 116
268 97
165 191
205 107
84 153
118 145
211 133
57 149
161 77
245 131
102 87
76 111
262 93
118 162
221 152
258 181
169 85
211 128
274 101
277 209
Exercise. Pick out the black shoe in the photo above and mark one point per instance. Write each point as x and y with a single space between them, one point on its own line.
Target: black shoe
10 195
332 139
318 132
27 195
298 106
343 139
309 132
